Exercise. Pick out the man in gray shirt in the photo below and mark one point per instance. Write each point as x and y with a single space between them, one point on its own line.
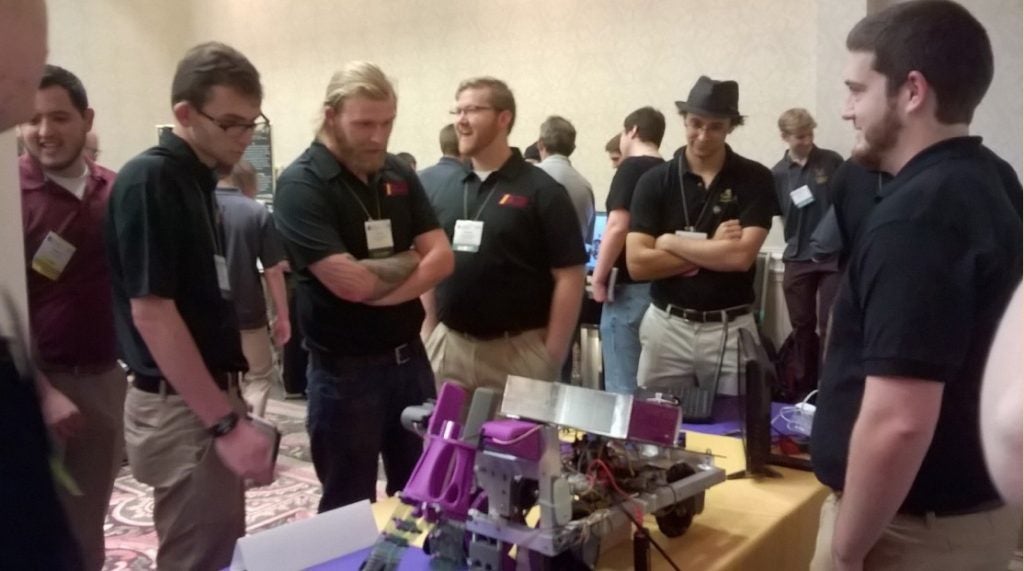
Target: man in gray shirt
250 236
558 141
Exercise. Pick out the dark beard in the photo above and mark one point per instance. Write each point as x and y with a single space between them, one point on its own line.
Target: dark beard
878 140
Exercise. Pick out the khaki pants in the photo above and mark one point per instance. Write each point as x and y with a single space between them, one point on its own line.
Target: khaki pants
92 456
678 353
475 364
980 541
263 372
199 504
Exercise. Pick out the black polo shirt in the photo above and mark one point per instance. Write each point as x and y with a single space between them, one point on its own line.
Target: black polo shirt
800 223
530 228
162 232
620 196
932 269
321 209
743 190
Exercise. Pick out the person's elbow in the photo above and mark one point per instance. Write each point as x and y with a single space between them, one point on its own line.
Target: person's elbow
445 264
740 260
635 264
149 312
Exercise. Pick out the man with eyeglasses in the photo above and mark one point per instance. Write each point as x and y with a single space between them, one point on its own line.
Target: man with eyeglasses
511 305
697 223
185 427
365 245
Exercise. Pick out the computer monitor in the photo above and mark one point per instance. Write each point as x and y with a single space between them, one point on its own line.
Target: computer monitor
600 221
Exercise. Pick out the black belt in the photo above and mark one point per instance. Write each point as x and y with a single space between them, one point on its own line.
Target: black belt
489 336
159 385
337 363
710 316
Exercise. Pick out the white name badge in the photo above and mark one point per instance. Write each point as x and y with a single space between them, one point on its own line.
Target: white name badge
691 235
802 196
222 276
52 256
379 240
468 235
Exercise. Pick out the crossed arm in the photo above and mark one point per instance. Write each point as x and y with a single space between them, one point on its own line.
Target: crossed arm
392 280
732 249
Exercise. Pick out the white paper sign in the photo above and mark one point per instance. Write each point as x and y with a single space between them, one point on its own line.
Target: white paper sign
309 542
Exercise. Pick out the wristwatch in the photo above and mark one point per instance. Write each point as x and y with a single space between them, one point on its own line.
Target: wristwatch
225 425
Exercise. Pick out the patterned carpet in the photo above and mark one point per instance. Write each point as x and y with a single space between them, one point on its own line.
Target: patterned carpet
131 539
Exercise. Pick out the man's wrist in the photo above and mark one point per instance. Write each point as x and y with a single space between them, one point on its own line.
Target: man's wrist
225 425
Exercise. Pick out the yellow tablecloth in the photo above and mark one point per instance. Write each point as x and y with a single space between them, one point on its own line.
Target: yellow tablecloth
747 525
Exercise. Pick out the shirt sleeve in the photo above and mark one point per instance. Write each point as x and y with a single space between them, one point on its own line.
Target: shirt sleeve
561 228
303 219
271 250
647 205
758 200
620 194
913 285
147 218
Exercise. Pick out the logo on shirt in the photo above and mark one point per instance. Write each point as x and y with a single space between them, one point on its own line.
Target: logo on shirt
514 201
396 188
820 176
727 196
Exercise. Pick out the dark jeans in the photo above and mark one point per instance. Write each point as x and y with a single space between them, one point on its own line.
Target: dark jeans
354 416
810 289
295 358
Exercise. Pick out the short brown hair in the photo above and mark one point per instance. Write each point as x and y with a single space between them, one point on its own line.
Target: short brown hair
449 140
795 120
500 97
208 65
939 39
558 136
612 146
649 123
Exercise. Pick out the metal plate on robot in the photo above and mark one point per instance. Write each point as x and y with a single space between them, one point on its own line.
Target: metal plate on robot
592 411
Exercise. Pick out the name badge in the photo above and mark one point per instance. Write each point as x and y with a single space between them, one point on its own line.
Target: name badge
379 241
468 235
52 256
802 196
222 276
691 235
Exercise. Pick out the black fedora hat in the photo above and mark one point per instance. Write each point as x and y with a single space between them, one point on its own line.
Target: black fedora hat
713 98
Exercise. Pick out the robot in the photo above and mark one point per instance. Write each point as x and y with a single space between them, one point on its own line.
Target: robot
562 470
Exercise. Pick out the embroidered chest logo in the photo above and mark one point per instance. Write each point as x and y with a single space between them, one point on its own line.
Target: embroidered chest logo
727 196
820 176
396 188
514 200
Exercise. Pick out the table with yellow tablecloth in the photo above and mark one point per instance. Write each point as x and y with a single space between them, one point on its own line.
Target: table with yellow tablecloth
746 525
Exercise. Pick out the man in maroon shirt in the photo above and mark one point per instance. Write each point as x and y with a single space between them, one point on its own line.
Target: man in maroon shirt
82 387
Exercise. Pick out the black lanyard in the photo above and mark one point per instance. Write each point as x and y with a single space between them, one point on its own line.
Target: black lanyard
376 195
465 200
682 194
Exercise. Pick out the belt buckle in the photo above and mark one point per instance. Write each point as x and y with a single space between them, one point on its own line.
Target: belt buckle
402 354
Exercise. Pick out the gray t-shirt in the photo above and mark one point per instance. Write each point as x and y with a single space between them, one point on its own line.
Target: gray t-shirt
249 235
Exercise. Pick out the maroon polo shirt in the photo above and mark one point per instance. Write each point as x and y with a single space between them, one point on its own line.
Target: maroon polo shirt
72 318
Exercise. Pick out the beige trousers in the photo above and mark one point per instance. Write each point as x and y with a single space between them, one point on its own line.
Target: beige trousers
199 504
92 456
981 541
263 372
475 364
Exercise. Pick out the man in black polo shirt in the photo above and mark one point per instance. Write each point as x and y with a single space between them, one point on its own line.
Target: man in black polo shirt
511 305
185 430
697 225
932 267
365 244
804 197
625 299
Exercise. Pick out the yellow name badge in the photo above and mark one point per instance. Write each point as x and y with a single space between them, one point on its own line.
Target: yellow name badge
52 256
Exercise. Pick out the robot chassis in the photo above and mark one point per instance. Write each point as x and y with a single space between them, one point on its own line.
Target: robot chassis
478 478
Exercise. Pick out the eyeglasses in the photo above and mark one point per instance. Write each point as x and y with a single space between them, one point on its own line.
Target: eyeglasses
234 129
469 110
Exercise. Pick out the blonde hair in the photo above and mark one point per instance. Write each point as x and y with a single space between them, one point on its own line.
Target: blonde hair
795 120
358 78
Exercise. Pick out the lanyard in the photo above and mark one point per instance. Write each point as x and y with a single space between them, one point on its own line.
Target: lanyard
465 201
376 195
682 195
212 214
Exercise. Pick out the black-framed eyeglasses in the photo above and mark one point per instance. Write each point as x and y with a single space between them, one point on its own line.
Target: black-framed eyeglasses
235 129
469 110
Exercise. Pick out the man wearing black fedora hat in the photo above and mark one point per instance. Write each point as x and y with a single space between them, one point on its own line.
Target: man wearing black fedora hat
697 225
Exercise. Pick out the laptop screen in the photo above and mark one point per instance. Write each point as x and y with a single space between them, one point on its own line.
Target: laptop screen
600 220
